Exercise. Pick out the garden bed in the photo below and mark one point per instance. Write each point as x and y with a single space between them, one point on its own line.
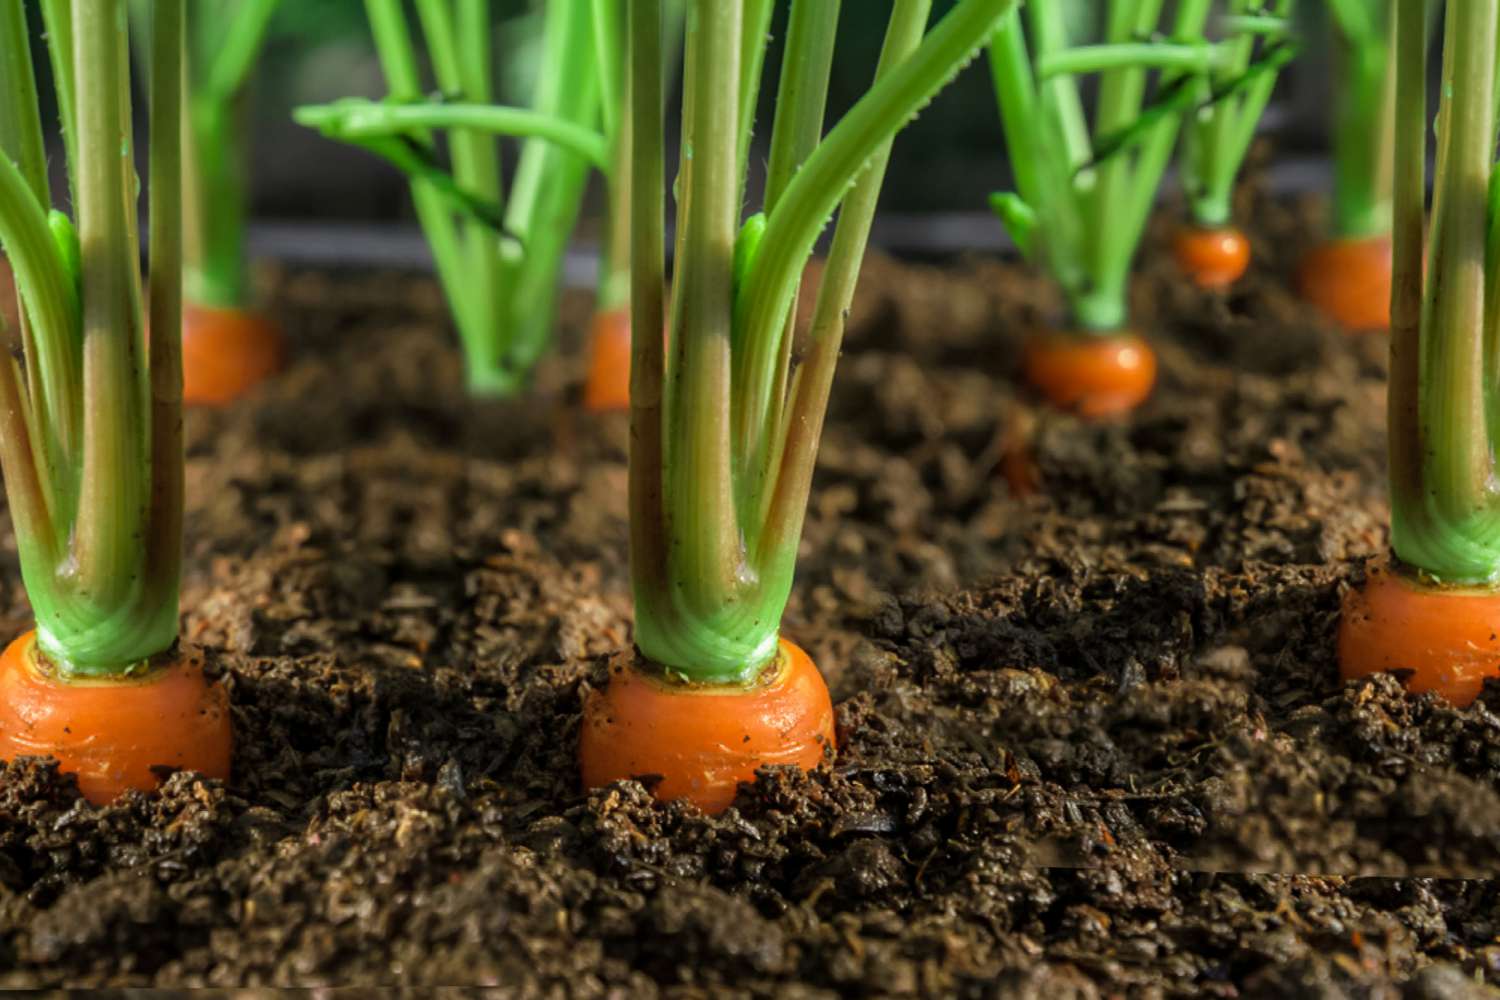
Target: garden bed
1092 741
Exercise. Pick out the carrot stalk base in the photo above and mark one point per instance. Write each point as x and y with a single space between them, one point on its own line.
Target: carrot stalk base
703 740
1212 258
1349 281
113 734
226 353
1444 639
1092 376
608 385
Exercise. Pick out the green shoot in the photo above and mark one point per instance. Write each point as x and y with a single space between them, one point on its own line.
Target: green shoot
498 254
725 420
1362 135
1444 399
224 41
90 424
1217 137
1082 200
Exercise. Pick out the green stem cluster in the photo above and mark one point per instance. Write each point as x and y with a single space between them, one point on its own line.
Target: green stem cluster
90 429
725 420
1444 397
1233 97
224 41
1083 196
498 254
1362 131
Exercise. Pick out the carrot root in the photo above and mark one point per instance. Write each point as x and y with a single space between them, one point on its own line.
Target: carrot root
113 733
1212 258
1349 281
702 741
226 353
608 385
1444 639
1089 375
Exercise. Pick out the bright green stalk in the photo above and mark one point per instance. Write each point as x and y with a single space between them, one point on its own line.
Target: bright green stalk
1445 505
713 547
1217 139
98 522
1082 201
498 252
1362 118
226 42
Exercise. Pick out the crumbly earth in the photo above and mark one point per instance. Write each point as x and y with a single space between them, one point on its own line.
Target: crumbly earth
1092 740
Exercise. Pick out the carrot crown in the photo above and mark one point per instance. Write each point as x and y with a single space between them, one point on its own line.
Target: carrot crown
498 258
725 418
1081 199
90 423
1232 98
1444 396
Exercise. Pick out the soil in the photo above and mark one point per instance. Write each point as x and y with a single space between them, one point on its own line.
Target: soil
1092 740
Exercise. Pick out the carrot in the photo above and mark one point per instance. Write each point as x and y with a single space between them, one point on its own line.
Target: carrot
1445 504
702 740
1091 376
226 353
113 733
608 385
1214 258
1444 639
1349 281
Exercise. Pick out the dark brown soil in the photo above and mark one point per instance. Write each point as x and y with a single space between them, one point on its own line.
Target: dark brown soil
1092 741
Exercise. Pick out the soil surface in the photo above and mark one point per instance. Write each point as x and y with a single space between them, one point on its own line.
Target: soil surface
1092 740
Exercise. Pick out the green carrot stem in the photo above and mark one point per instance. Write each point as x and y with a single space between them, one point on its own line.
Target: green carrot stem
786 503
57 19
1362 133
1185 58
763 303
113 488
163 542
649 547
707 567
1445 517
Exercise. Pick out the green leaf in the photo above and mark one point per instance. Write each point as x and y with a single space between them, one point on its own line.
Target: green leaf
746 247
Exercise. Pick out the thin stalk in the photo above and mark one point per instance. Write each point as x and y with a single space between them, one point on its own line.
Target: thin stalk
707 564
57 18
757 27
113 490
163 545
649 548
786 506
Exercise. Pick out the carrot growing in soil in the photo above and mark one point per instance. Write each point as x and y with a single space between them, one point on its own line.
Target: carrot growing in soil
499 255
1210 249
1348 277
725 418
1433 610
90 424
1081 201
228 347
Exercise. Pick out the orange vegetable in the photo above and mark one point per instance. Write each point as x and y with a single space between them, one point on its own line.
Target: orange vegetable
608 385
1349 281
1093 376
111 733
1212 258
226 353
704 740
1448 637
